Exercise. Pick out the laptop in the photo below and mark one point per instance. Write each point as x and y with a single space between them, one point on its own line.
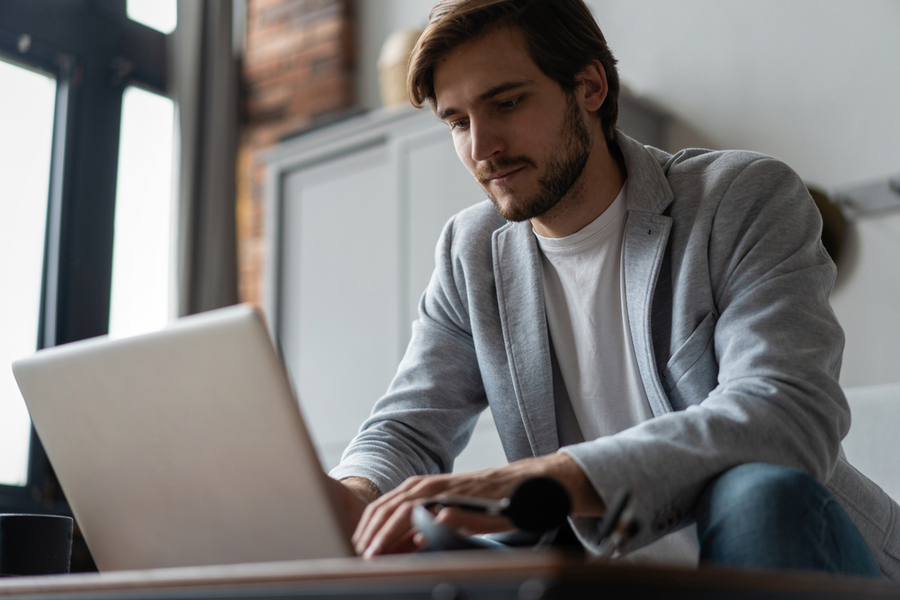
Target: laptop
183 447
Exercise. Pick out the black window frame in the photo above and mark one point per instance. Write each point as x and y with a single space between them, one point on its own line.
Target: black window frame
95 52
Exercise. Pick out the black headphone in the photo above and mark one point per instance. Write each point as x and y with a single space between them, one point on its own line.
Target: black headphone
538 506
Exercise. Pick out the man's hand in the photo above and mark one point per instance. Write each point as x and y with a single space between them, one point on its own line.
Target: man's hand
386 524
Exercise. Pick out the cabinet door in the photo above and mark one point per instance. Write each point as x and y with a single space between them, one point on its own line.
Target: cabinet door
360 217
339 289
439 186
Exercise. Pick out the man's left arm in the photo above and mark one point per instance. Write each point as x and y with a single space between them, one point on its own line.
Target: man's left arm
754 278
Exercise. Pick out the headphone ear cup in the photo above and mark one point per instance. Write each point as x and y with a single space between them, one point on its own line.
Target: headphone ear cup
440 537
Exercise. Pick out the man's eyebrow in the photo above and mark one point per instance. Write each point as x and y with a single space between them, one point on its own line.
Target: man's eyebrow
485 96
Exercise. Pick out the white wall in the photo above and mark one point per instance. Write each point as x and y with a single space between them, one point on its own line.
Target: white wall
813 82
867 302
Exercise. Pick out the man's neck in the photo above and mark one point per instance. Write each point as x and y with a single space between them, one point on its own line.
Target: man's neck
596 189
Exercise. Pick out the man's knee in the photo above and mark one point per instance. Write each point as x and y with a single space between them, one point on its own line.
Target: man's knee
755 491
765 515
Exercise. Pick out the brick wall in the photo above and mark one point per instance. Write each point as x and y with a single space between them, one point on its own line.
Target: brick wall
297 70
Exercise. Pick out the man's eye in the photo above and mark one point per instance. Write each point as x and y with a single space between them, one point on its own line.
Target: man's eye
460 125
510 103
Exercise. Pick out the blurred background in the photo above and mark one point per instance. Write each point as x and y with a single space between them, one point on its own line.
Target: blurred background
155 157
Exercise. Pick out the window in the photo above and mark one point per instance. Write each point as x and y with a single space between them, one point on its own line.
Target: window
142 247
25 144
59 163
143 269
161 15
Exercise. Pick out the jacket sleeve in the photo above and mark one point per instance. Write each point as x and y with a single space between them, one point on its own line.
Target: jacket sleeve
430 409
751 274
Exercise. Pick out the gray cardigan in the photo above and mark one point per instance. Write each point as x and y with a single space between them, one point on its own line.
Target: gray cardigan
727 287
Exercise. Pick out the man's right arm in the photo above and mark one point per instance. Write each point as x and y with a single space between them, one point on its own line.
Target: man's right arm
430 409
354 494
363 488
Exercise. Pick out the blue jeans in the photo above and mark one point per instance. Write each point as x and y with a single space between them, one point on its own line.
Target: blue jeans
769 516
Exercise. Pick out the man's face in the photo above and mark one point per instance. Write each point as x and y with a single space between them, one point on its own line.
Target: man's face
523 138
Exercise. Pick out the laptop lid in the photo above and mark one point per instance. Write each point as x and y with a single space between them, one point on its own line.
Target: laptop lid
183 447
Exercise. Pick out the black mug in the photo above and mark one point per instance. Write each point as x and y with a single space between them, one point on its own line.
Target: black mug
35 544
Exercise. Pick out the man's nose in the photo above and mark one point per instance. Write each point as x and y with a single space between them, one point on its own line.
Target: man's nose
486 140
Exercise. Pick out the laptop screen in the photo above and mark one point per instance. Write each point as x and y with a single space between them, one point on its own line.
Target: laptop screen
183 447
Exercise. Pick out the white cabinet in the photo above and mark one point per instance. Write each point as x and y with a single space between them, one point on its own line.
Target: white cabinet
354 212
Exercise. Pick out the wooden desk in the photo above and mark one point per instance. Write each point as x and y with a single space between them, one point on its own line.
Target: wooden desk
457 576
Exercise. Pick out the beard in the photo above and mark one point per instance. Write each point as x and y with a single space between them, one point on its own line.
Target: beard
564 167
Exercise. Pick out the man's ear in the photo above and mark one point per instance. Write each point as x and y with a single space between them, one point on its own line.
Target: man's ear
593 88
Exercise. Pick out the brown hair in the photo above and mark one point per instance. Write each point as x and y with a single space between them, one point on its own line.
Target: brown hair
562 37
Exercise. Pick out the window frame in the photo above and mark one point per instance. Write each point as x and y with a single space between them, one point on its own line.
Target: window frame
95 52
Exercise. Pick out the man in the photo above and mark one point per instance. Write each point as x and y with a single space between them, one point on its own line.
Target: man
634 320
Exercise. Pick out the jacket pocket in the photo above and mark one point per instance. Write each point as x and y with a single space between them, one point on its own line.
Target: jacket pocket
692 371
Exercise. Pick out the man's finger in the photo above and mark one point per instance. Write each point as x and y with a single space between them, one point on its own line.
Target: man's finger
405 544
469 523
374 518
395 529
378 513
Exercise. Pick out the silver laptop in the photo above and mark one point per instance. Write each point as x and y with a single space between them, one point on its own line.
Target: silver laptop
183 447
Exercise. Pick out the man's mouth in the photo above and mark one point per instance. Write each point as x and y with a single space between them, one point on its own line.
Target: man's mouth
503 176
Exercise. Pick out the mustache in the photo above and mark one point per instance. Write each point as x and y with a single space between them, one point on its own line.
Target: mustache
488 170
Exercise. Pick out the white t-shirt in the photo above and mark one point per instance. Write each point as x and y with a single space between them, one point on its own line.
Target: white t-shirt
584 294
